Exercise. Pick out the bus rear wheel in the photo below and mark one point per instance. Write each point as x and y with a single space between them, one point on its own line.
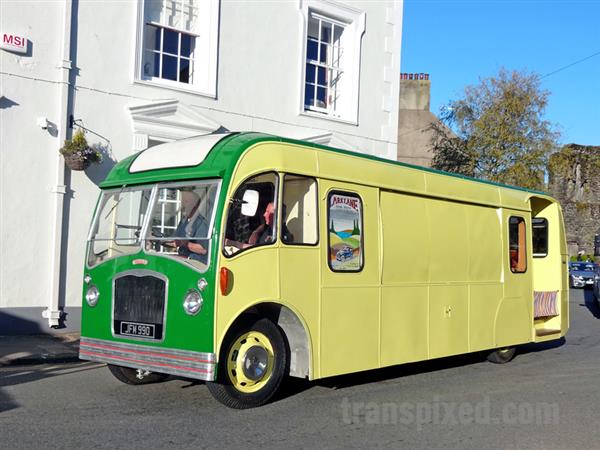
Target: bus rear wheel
251 367
135 376
502 355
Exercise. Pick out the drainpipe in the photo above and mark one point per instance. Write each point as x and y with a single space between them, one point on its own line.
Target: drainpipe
52 313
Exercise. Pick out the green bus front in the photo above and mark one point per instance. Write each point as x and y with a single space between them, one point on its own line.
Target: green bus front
149 281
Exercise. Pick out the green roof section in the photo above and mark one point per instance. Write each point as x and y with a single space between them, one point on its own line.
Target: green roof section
221 160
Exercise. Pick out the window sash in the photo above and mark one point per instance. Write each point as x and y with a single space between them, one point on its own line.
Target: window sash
181 15
325 89
157 57
167 27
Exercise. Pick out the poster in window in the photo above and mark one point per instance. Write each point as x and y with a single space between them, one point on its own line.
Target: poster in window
345 233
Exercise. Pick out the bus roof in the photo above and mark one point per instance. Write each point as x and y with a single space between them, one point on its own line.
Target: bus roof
215 156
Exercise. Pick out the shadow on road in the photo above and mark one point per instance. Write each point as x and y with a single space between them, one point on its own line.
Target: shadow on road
591 303
295 386
540 346
7 402
12 376
404 370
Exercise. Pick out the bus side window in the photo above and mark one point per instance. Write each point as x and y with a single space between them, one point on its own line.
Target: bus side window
539 237
345 225
244 231
517 244
299 225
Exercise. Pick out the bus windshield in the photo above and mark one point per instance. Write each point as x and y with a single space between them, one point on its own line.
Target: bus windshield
172 220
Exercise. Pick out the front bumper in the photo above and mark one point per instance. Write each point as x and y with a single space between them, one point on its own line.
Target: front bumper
585 282
183 363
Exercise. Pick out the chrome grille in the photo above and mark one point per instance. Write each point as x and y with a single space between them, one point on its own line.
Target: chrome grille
139 304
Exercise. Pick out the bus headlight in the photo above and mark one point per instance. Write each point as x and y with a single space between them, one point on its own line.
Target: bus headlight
202 283
91 296
192 302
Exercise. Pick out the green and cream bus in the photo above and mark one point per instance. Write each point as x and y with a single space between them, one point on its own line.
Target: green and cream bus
243 258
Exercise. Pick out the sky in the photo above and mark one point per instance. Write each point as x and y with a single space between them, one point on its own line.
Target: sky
459 42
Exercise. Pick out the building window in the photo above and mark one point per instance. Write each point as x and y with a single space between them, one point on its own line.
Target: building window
323 65
345 226
178 44
517 245
332 60
167 214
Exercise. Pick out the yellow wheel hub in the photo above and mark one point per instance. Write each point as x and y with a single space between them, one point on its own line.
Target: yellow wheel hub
250 362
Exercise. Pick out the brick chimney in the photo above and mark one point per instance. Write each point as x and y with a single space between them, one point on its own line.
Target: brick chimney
415 91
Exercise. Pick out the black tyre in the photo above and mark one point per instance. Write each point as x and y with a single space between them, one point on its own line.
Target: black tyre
135 376
502 355
252 364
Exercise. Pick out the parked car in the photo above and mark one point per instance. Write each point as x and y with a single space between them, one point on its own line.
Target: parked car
596 286
583 274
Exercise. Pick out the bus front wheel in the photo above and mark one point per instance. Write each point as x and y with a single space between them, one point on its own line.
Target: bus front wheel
251 367
502 355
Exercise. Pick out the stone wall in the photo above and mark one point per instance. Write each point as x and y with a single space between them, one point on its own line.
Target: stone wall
574 179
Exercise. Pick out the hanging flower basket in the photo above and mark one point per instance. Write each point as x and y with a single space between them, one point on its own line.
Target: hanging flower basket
77 161
78 154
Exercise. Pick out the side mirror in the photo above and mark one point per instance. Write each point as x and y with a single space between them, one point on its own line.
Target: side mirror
250 203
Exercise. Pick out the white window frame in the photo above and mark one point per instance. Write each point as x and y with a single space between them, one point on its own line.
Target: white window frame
205 52
354 22
161 202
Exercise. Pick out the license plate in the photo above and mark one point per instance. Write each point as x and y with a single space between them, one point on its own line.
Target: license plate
144 330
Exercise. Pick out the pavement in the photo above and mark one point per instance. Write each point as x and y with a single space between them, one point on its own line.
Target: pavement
39 348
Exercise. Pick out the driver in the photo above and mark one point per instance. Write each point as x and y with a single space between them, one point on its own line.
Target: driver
192 225
263 234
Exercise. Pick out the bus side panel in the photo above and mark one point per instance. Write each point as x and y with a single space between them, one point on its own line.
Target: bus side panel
515 314
350 302
406 239
484 301
550 271
349 330
448 320
256 272
485 274
440 258
564 294
300 288
448 278
254 279
513 323
405 273
404 324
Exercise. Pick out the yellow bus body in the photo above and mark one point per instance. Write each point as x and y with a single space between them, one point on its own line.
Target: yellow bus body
436 280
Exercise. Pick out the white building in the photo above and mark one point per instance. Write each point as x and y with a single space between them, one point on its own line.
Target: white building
138 73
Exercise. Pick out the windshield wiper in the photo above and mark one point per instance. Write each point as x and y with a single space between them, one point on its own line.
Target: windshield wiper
115 205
